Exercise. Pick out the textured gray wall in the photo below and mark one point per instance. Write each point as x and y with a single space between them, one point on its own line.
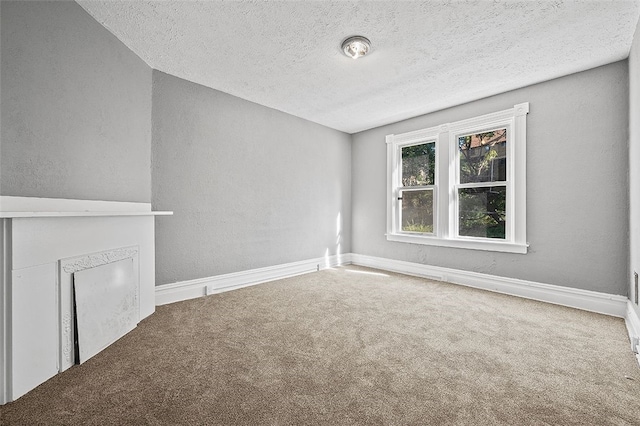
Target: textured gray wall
634 157
250 186
75 107
577 190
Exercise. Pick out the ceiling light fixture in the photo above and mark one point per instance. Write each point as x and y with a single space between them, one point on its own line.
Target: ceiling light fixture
356 46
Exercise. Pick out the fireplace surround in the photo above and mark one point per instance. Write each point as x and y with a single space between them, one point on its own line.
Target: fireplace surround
44 242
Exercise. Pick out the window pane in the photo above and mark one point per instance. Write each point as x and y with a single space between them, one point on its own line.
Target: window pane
418 164
483 157
482 212
417 211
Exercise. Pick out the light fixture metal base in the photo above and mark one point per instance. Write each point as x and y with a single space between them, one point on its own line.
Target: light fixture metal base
356 46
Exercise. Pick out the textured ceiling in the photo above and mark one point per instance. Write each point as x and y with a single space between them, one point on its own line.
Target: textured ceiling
426 55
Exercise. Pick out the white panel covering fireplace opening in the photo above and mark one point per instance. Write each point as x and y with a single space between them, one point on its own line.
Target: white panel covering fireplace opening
104 287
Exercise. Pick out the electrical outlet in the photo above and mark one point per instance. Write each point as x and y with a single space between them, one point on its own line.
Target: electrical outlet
318 269
635 279
635 344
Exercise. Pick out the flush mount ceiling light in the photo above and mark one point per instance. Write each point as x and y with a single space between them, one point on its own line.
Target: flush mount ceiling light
356 46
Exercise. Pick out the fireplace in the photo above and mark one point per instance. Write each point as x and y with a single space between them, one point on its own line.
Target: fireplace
54 254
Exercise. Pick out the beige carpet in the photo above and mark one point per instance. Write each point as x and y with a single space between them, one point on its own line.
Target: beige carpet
351 346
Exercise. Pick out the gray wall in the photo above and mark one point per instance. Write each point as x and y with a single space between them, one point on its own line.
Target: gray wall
75 107
250 186
634 157
577 188
253 187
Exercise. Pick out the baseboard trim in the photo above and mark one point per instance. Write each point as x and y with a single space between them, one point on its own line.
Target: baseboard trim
191 289
593 301
603 303
632 321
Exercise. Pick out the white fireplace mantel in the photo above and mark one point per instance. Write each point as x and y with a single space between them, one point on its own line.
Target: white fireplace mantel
39 239
24 207
9 215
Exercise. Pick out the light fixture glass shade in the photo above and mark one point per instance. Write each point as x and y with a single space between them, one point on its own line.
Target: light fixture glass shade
356 46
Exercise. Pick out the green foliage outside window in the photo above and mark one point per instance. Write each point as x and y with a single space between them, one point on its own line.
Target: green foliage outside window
417 211
418 169
480 154
482 210
419 164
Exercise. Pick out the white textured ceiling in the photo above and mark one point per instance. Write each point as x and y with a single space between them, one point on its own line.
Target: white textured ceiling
427 55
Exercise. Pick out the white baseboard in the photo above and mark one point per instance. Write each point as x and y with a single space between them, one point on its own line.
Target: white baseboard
184 290
633 328
603 303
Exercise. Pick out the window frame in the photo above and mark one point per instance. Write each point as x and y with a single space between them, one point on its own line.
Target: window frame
446 204
394 173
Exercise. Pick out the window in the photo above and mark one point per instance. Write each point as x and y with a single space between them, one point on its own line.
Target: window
481 184
418 186
460 184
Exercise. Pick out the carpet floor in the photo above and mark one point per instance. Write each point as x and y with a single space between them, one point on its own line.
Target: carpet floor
351 346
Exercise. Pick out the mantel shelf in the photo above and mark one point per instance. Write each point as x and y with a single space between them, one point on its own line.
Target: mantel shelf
10 215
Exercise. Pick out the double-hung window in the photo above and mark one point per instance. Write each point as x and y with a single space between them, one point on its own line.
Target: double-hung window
416 192
460 184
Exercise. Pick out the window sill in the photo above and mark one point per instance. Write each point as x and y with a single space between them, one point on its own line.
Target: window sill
498 246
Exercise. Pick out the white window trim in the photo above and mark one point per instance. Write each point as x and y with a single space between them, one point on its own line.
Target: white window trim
445 214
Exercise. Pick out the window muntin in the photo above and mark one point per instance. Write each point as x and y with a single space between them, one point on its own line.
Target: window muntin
476 198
